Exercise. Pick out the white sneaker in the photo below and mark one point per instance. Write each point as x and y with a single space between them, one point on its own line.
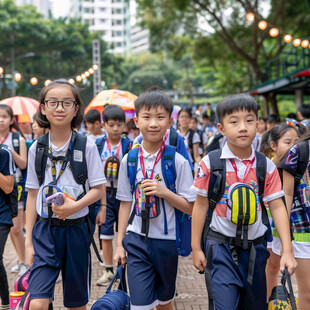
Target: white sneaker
15 268
106 278
22 269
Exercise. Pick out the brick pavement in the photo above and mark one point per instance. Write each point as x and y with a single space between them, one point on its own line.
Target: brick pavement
191 291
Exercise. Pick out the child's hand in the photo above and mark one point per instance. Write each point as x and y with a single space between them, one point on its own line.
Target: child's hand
120 254
152 187
199 260
68 208
288 260
101 216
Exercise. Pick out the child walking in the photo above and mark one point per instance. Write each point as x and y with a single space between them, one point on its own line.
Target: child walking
236 252
276 142
58 236
150 242
93 125
112 149
6 187
297 202
11 139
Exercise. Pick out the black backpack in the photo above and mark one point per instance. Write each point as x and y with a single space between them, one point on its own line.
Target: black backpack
12 198
78 169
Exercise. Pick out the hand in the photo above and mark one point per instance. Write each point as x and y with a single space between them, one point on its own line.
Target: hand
120 254
101 216
199 260
29 251
152 187
288 260
68 208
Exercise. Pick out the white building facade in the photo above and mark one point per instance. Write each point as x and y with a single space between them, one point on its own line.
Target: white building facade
43 6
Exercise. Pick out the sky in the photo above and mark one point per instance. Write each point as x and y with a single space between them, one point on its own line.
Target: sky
60 8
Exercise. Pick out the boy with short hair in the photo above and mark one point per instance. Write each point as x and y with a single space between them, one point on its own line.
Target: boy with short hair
93 125
232 265
152 257
112 148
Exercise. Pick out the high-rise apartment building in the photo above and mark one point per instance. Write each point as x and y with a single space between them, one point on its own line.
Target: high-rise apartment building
43 6
112 17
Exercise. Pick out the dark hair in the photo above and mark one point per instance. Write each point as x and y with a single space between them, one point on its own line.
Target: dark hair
187 110
9 110
92 116
154 97
291 115
195 118
274 135
233 103
132 125
77 120
113 112
304 110
272 118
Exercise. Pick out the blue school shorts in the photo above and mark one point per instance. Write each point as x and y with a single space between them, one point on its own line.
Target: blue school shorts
107 228
66 249
151 270
229 281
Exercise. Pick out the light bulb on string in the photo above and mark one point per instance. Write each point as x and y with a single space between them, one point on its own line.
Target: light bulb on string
273 32
17 77
71 81
288 38
262 25
83 76
250 17
1 70
296 42
91 71
305 43
95 67
78 78
47 82
87 74
34 81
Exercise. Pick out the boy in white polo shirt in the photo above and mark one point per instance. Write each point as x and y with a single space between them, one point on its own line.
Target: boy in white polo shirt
152 257
230 256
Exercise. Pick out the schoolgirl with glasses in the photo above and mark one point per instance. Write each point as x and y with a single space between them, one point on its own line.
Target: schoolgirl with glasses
58 236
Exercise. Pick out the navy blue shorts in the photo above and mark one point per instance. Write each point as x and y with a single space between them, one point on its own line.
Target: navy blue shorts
107 228
65 248
151 270
230 280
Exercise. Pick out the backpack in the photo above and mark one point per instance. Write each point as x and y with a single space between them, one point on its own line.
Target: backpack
116 299
12 198
183 221
215 143
78 168
217 188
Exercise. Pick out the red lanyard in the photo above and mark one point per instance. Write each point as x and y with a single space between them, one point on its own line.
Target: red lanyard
117 150
160 152
2 141
247 170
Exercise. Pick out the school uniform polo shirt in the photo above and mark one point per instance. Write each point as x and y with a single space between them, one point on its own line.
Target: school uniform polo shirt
183 183
272 191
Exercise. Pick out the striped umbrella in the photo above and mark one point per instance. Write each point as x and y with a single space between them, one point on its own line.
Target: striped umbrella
122 98
22 105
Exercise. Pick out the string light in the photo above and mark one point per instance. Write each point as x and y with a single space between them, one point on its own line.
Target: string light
83 76
288 38
87 74
71 81
95 67
91 71
78 78
47 82
262 25
250 17
17 77
34 81
1 70
296 42
305 43
274 32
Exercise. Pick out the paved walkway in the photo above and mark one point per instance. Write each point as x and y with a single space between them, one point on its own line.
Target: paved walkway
191 290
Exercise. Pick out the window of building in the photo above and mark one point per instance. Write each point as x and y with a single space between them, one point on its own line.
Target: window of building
119 33
119 22
119 11
119 44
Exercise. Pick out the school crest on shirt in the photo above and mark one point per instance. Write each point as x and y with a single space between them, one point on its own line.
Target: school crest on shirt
158 178
200 173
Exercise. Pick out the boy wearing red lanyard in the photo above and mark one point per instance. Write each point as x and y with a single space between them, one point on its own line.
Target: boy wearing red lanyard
229 268
112 151
152 257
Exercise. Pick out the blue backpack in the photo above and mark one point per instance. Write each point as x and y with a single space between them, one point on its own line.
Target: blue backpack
117 299
183 220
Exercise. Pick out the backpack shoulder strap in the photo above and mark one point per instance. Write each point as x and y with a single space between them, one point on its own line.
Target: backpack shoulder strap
216 187
15 141
126 145
302 162
173 138
100 144
41 157
132 161
168 167
190 138
78 159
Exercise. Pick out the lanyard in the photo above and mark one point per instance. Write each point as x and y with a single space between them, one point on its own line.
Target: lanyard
247 170
160 152
3 140
64 160
117 150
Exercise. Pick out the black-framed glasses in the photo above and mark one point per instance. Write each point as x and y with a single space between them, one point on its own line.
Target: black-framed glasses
66 104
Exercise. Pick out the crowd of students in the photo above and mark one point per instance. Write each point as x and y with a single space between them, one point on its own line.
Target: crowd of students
120 171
